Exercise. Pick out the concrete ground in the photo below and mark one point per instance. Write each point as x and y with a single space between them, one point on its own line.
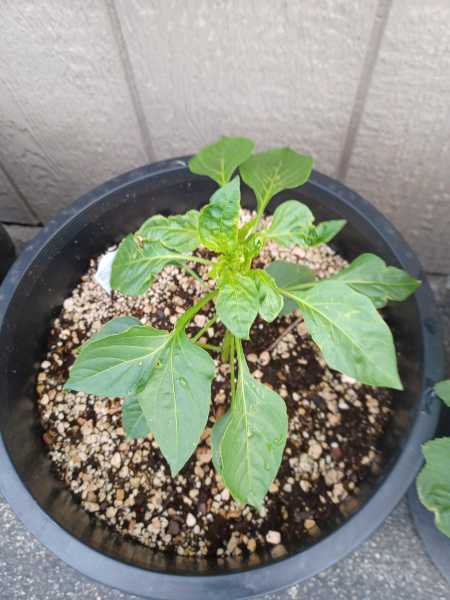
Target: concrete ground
392 564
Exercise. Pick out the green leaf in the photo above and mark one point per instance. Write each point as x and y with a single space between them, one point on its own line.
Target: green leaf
268 173
117 325
369 275
433 482
289 219
179 232
176 397
134 265
217 433
220 160
442 389
270 300
133 419
113 366
289 275
253 443
243 231
218 223
353 337
238 303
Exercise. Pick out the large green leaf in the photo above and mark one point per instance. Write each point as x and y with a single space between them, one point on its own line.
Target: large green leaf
117 325
290 218
270 300
442 389
135 265
114 365
253 443
433 482
353 337
217 433
369 275
133 419
175 398
289 275
238 303
268 173
220 160
179 232
218 223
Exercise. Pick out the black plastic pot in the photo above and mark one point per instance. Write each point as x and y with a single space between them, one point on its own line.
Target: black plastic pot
32 295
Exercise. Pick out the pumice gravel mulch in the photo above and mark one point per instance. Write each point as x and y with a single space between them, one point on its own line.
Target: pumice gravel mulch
335 424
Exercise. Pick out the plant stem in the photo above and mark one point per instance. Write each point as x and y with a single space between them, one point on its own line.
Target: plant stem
225 356
209 347
191 272
280 337
203 261
301 286
233 386
205 328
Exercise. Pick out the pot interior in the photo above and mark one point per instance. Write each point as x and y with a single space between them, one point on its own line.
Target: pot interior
100 222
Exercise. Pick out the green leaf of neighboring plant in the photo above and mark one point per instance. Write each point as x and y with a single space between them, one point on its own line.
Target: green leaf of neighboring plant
217 433
353 337
289 275
220 160
238 303
218 223
369 275
117 325
114 365
175 398
179 232
442 389
253 443
134 265
133 419
270 300
433 482
288 219
268 173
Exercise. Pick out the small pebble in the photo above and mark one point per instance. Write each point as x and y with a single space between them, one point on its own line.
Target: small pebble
273 537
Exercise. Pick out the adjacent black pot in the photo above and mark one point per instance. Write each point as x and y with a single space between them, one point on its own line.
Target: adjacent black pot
32 295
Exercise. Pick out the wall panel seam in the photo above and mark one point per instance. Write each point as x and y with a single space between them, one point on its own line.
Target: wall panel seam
19 194
368 66
119 42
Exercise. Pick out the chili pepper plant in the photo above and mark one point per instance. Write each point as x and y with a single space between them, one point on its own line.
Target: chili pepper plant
165 377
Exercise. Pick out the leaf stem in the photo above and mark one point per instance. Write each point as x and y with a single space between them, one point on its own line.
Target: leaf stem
191 272
301 286
285 332
225 356
233 385
178 257
205 328
184 319
209 347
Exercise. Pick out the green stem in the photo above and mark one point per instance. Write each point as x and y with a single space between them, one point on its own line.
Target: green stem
184 319
233 385
209 347
259 214
178 257
205 328
301 286
191 272
225 356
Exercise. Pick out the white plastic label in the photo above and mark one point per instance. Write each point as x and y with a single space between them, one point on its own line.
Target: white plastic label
103 275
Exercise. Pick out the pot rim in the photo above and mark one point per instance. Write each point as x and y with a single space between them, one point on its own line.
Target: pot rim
286 572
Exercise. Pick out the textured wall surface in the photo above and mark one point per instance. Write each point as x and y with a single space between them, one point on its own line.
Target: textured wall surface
92 88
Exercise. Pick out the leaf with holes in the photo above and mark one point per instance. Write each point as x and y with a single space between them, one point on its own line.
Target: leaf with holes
133 419
175 398
287 276
270 300
179 232
220 160
238 303
218 223
353 337
433 482
113 366
268 173
369 275
253 443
